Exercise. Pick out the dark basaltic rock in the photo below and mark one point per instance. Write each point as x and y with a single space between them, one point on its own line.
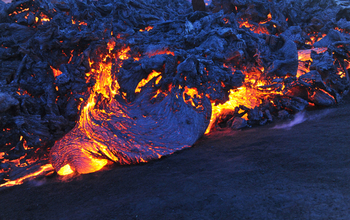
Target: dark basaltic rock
283 114
198 5
331 37
321 98
7 102
238 123
255 115
287 61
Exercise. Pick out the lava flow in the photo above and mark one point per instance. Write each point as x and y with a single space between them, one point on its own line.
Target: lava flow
111 129
84 84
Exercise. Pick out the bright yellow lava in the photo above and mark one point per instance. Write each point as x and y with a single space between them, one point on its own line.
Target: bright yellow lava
65 170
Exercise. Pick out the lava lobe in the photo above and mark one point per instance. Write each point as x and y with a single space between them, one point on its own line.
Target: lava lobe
129 133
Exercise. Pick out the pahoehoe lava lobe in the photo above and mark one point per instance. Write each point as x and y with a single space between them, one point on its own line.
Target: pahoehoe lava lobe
129 133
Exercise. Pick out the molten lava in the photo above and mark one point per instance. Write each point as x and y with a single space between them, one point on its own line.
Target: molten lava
256 28
304 57
250 95
19 181
143 82
146 101
159 52
56 72
111 129
148 28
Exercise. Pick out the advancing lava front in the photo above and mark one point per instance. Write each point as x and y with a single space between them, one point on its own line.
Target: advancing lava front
86 82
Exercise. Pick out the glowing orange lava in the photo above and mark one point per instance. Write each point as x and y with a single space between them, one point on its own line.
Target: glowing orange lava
253 92
314 39
304 57
143 82
146 29
249 95
189 94
256 28
56 72
79 22
341 73
159 52
106 86
65 170
44 17
19 181
19 11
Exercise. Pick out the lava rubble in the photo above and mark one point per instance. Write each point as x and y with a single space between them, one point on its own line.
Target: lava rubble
88 82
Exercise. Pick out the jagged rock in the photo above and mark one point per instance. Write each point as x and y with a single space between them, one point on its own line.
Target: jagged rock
331 37
7 101
239 123
289 62
283 114
255 115
321 98
268 115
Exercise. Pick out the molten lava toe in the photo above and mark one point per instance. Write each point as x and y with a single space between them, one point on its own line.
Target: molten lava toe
129 133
